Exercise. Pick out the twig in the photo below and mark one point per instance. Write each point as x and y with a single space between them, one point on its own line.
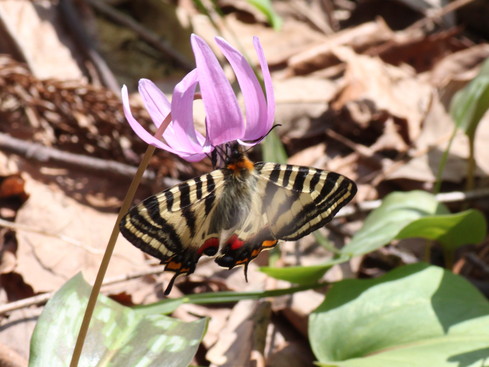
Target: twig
42 153
438 13
43 298
147 35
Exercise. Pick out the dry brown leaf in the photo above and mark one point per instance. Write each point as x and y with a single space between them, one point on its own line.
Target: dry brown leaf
294 37
456 70
17 329
297 308
244 333
290 354
386 87
36 29
322 55
433 141
47 262
301 101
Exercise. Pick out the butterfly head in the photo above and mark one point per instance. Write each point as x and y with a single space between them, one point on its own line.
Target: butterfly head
233 157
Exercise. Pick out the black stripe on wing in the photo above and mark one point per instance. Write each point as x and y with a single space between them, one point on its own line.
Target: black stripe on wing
322 194
165 224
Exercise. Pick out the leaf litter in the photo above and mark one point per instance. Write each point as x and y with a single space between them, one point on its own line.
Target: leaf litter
369 101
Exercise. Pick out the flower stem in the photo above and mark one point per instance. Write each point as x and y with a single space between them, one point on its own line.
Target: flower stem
110 246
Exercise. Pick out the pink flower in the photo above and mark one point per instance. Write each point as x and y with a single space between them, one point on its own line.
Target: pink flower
224 120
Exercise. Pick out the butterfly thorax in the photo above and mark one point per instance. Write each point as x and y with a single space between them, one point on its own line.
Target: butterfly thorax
240 183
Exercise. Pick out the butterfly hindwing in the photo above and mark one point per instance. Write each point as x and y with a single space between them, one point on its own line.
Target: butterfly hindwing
288 202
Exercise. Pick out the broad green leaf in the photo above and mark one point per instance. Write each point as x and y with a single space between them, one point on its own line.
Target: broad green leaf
118 336
397 211
416 316
265 6
451 231
302 274
471 103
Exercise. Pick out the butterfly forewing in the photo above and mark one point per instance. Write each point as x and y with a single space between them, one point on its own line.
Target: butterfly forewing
299 200
174 224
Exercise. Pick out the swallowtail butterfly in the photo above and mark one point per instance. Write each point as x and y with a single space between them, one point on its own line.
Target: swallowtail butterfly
234 212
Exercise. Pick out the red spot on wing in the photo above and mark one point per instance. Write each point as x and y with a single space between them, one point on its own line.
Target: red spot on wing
209 243
234 242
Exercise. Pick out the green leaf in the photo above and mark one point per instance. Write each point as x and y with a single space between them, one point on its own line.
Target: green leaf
265 6
452 230
273 149
220 297
297 274
415 316
471 103
118 335
398 209
302 274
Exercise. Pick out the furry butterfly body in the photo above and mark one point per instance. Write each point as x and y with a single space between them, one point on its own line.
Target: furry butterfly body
234 212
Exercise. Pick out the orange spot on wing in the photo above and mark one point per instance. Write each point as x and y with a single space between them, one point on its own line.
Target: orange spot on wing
175 266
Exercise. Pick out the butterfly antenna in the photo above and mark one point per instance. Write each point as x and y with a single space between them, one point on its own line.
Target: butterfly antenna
264 136
218 153
170 284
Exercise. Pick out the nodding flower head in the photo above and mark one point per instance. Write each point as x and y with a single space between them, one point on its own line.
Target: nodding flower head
224 120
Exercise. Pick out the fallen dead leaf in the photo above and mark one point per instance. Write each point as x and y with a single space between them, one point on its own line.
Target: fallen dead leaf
301 102
244 332
16 330
36 29
47 262
322 55
388 88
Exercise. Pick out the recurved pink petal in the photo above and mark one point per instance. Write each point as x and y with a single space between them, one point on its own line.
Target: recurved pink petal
224 122
267 80
254 99
184 133
136 126
155 101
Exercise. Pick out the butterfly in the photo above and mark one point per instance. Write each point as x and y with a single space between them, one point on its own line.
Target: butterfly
235 212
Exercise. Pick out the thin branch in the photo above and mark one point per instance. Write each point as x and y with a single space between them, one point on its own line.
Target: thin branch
437 14
45 154
43 298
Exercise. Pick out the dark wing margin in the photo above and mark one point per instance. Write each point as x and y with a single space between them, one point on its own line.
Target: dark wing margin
299 200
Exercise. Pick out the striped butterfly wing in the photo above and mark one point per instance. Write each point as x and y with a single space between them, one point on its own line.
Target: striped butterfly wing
288 202
174 225
299 200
